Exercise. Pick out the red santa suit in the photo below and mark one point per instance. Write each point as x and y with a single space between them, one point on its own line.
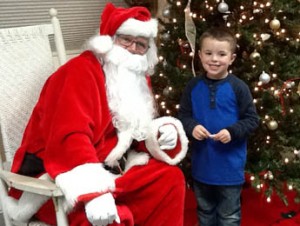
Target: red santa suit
72 133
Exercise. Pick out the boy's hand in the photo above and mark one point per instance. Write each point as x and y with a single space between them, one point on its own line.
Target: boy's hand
200 133
222 136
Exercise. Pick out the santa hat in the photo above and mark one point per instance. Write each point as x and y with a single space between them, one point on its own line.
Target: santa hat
135 21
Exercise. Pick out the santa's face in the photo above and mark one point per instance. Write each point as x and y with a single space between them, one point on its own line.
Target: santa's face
130 99
135 45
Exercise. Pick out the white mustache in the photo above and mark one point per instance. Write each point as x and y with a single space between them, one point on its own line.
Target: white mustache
125 59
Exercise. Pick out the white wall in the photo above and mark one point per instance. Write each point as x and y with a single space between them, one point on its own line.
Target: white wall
70 55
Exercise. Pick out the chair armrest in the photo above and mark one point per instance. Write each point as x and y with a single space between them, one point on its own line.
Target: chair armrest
30 184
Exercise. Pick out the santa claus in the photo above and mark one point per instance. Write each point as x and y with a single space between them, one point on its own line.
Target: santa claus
92 112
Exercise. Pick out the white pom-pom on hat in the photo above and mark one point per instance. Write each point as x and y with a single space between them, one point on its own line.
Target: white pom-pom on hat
100 44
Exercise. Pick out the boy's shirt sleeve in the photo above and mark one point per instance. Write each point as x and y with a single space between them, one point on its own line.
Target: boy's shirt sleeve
185 113
248 117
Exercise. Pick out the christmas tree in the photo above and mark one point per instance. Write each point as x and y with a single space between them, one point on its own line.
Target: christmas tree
268 60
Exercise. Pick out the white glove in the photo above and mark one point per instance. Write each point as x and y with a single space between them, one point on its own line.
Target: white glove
168 137
102 210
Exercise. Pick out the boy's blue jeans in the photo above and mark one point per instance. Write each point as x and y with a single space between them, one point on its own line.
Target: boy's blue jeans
218 205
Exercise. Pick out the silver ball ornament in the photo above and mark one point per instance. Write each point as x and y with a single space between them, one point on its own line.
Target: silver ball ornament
166 91
264 77
166 12
271 176
265 36
166 36
290 84
223 7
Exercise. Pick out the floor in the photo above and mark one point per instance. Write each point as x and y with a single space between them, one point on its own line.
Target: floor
1 220
256 212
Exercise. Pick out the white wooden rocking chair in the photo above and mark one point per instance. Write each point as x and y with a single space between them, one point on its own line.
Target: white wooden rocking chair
26 61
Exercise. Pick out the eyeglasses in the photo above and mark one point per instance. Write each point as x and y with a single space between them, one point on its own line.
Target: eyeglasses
141 44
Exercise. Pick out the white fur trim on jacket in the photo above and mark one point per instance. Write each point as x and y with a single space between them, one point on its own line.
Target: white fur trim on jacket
153 145
124 142
139 28
85 179
136 159
29 203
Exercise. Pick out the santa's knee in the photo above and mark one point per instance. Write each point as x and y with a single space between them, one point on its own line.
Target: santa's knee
174 177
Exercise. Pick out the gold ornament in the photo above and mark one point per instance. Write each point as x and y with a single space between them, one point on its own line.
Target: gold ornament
275 24
272 125
255 55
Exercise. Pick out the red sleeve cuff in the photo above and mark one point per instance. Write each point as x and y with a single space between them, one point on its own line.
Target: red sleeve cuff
89 197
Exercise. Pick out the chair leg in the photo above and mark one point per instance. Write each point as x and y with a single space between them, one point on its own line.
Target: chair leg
61 216
7 221
3 194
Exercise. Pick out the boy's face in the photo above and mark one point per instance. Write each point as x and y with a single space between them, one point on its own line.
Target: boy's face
216 56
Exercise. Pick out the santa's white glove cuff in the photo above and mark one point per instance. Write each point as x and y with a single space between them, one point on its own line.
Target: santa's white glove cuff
171 157
168 137
83 180
102 210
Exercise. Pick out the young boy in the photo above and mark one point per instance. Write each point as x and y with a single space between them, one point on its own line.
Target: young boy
218 113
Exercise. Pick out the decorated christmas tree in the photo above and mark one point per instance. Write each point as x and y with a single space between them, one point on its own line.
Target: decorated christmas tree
268 60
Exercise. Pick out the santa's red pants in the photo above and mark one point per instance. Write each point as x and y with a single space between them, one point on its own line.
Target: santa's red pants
150 195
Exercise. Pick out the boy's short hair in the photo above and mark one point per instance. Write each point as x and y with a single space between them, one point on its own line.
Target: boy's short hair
220 34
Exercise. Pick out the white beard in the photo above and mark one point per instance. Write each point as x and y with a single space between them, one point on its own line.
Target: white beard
130 99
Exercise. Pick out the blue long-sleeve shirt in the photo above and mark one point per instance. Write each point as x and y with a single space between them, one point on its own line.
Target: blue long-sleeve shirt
218 104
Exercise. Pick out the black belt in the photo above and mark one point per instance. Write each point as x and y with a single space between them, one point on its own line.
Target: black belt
119 168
